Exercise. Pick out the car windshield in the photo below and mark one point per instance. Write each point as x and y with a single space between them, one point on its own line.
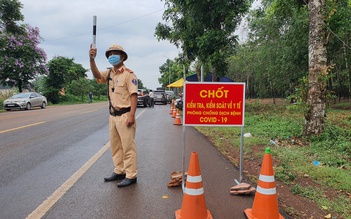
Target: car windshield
22 95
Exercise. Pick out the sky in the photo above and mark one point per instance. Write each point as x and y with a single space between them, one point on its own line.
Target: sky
66 27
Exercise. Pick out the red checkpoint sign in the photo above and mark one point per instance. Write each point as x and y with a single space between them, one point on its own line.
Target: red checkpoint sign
214 104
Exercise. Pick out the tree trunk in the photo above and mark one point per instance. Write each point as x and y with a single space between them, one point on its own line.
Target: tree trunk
271 88
198 72
248 93
317 70
19 85
215 78
347 69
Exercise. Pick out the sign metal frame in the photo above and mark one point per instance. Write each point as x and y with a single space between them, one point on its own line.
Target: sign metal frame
214 104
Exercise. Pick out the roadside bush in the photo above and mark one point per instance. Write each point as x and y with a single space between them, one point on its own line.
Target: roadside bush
69 98
4 94
334 141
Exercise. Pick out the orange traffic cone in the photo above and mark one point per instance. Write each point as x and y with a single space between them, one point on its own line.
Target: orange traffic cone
194 205
172 107
174 112
177 120
265 205
171 111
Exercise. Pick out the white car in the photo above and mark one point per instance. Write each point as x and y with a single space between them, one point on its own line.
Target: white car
26 101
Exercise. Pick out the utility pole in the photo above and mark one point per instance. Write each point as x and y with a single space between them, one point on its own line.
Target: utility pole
169 70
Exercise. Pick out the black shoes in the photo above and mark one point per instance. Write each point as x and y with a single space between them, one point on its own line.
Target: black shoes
114 177
127 182
124 182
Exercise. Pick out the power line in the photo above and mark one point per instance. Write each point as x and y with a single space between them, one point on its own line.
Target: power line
306 2
131 20
337 36
108 27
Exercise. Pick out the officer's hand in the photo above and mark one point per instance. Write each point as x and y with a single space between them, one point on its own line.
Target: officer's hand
92 52
130 120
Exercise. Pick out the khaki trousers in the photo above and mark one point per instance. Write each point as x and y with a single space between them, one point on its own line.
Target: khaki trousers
122 144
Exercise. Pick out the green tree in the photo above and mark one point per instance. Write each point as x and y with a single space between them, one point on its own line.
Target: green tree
39 83
338 49
98 89
170 72
62 72
173 70
166 74
140 84
10 15
21 60
203 35
196 67
243 66
276 49
290 41
80 88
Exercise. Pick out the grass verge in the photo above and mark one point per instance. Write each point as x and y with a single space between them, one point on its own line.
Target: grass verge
325 160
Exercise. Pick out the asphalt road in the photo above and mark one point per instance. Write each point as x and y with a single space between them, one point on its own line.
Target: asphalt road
53 161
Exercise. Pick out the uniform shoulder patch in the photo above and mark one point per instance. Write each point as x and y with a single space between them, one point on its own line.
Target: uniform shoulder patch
135 82
129 70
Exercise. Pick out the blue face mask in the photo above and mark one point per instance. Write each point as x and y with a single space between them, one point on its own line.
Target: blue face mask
114 59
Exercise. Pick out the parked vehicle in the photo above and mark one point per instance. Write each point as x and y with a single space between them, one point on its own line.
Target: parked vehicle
178 103
143 97
170 95
160 97
26 101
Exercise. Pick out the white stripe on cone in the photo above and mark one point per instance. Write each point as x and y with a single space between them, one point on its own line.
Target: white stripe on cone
194 179
265 178
194 192
263 191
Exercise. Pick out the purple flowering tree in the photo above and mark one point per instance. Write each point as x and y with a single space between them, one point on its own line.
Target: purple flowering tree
21 60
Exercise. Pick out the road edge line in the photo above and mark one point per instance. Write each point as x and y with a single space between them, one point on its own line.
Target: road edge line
42 209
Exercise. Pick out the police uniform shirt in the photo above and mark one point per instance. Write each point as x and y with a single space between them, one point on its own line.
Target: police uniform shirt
122 84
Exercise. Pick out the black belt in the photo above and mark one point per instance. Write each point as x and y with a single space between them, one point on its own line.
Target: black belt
119 112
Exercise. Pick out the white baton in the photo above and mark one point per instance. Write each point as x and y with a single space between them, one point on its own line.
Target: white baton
94 31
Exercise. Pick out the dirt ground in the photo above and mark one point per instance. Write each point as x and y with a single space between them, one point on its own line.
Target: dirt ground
297 207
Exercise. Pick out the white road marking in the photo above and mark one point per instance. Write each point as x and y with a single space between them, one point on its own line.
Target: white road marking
41 210
21 127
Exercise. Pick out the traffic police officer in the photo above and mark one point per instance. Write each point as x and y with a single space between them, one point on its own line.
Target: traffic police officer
122 86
